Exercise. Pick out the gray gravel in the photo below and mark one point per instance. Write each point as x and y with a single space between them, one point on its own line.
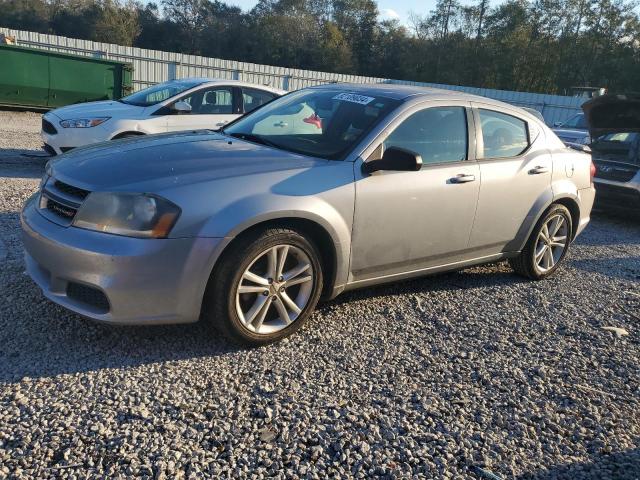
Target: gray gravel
462 375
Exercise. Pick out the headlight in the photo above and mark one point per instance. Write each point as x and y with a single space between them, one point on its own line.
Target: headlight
43 180
83 122
128 214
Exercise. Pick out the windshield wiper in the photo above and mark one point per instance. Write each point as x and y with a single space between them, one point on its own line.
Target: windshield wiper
252 137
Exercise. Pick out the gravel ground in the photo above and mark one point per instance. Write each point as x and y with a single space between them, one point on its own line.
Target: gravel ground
462 375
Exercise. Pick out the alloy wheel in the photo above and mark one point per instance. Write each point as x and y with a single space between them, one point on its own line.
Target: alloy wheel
274 289
551 243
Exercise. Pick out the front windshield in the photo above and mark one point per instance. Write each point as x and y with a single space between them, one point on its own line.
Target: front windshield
159 93
325 123
577 121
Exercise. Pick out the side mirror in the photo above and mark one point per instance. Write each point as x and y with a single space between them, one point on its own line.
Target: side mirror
395 159
181 107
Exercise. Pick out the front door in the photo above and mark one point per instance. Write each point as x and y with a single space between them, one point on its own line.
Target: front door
407 221
211 108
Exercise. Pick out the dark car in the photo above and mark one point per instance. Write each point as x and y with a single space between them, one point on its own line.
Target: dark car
573 131
614 125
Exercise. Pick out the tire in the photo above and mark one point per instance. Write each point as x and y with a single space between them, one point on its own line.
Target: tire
128 135
541 257
255 317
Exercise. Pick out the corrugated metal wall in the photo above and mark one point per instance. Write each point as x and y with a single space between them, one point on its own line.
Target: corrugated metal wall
153 66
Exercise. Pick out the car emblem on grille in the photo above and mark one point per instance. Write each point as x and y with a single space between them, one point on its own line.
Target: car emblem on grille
606 169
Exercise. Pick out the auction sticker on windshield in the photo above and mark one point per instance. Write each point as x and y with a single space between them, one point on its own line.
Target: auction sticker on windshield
354 98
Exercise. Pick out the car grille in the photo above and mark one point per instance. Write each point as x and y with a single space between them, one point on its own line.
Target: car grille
59 201
89 296
74 192
48 127
615 171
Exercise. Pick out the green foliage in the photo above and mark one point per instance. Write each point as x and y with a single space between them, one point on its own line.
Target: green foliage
537 45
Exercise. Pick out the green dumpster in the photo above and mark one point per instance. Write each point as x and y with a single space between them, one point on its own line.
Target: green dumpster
31 77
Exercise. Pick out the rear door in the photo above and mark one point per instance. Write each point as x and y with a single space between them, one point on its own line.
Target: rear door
515 172
253 98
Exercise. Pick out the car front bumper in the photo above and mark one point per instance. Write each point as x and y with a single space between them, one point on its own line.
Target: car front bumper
116 279
67 138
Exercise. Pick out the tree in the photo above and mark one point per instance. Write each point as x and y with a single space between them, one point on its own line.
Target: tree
535 45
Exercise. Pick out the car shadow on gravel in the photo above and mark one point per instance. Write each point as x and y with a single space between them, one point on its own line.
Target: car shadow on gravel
483 276
42 339
619 466
22 163
609 226
623 268
65 343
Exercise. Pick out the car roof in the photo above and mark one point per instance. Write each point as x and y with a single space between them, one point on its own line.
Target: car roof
402 92
223 81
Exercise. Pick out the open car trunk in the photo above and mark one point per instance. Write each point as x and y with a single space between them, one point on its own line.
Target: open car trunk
613 114
614 126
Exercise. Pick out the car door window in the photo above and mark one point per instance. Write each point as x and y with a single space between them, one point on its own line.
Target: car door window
253 98
503 135
437 134
211 101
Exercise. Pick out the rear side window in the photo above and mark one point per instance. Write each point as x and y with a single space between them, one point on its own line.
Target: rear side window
438 134
255 98
503 135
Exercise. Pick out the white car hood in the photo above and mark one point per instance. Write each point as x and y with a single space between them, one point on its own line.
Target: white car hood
106 108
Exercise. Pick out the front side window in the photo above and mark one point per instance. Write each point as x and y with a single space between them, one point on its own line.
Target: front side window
324 123
503 135
211 101
437 134
159 93
253 98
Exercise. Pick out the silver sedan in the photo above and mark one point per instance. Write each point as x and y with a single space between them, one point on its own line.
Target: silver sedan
324 190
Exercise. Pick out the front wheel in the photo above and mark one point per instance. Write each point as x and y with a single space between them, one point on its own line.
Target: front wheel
265 287
547 246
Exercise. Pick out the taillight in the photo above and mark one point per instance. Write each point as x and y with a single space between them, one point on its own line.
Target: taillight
592 170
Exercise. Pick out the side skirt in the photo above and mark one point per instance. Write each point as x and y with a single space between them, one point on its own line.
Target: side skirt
429 271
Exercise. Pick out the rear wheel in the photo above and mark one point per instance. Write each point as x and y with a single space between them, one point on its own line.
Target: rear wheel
547 246
265 287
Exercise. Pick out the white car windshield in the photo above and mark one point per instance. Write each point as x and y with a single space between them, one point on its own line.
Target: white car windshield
323 123
577 121
159 93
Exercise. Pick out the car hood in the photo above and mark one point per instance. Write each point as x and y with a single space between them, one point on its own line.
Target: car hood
107 108
613 114
154 163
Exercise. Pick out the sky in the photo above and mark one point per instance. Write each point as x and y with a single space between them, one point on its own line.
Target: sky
389 9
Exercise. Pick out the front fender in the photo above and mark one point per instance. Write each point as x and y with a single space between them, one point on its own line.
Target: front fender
228 206
248 212
126 126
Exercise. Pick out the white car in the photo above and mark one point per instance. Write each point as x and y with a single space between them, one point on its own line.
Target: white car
186 104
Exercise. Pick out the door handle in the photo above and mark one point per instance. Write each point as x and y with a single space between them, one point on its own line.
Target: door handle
463 178
538 170
280 124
